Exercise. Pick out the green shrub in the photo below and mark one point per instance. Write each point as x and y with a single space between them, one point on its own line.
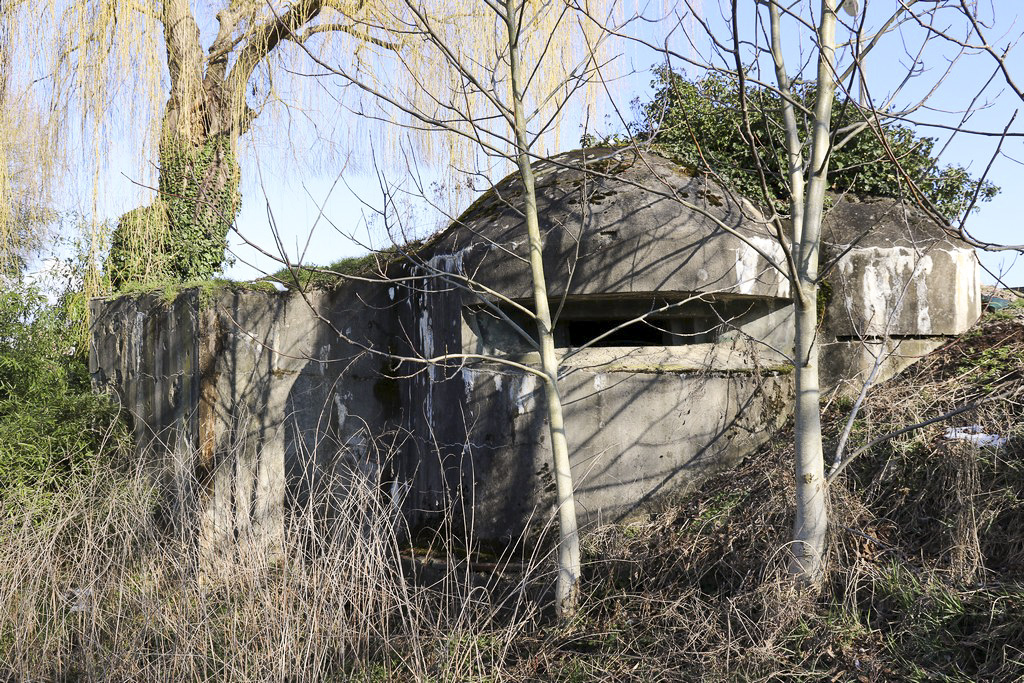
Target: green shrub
51 424
700 124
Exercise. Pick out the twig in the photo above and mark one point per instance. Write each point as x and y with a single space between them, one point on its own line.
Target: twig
891 435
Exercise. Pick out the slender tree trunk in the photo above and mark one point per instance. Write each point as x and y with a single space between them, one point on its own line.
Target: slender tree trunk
567 584
811 520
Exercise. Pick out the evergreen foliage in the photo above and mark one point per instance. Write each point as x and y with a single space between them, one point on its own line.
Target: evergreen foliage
182 235
51 424
700 123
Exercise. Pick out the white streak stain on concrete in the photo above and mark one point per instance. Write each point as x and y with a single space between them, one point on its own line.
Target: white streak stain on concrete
469 381
341 408
748 261
325 354
427 339
449 263
875 288
966 289
137 327
746 269
893 286
921 273
526 396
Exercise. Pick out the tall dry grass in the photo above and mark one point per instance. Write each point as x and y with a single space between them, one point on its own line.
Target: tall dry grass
99 587
925 574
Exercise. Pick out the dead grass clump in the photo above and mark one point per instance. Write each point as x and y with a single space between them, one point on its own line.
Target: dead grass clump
958 505
101 590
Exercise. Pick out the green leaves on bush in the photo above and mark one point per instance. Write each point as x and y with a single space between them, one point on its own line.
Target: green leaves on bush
700 124
51 424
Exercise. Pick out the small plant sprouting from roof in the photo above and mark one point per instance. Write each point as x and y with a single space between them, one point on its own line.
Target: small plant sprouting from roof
324 277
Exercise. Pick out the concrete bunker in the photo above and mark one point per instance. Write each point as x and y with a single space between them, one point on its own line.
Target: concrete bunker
673 328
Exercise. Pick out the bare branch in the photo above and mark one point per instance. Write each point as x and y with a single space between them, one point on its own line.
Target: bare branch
838 469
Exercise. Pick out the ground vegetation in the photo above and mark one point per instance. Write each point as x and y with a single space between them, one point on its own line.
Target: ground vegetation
922 578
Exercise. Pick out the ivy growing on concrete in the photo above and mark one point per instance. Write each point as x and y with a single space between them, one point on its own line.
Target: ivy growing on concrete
699 123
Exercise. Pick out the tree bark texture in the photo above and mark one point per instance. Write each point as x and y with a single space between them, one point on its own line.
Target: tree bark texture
182 235
567 583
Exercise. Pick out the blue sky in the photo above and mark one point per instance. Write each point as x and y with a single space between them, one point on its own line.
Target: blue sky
322 215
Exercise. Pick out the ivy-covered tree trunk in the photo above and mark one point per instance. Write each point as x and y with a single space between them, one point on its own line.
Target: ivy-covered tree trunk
199 192
182 234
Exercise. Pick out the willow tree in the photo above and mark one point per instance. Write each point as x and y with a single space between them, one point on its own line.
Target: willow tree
24 162
182 82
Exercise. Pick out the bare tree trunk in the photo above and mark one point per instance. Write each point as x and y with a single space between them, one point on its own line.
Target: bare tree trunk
811 520
567 584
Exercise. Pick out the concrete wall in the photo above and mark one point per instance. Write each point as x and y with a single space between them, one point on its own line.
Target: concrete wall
146 350
251 400
643 423
269 399
900 291
295 401
637 438
900 288
276 399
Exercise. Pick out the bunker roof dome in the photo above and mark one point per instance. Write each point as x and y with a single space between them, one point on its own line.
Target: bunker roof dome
616 222
868 222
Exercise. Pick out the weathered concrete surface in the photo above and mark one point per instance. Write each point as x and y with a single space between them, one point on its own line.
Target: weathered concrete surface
643 422
264 399
276 400
294 402
289 393
147 350
900 287
847 364
898 273
637 439
622 231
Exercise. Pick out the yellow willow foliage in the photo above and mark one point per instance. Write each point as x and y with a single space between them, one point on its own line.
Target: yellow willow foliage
24 213
459 72
104 72
26 162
